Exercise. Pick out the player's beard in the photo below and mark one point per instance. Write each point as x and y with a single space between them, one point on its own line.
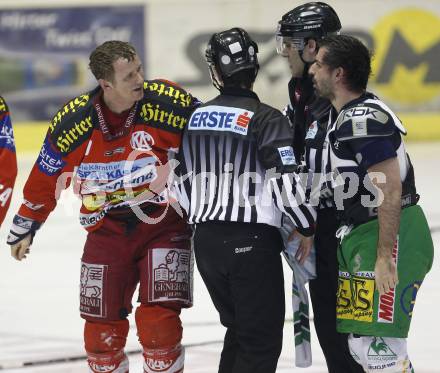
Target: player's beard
324 89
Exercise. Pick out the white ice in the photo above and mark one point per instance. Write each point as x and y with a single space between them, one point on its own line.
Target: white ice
39 317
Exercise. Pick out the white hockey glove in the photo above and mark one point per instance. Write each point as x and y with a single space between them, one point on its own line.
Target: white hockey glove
21 235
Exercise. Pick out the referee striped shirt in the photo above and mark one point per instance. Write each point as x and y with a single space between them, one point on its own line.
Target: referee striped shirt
317 159
237 164
309 116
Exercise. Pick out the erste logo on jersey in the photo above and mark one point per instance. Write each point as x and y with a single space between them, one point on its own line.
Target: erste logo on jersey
221 118
141 140
287 155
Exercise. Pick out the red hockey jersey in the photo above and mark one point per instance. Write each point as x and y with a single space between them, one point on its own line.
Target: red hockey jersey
8 159
109 170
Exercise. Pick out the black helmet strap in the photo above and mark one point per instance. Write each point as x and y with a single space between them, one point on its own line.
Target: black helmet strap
214 80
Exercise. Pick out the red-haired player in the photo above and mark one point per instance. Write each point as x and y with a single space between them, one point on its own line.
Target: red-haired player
117 139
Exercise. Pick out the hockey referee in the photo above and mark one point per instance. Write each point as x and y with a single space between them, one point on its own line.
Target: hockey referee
236 179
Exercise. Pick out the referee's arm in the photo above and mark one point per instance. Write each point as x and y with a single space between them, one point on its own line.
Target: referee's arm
275 139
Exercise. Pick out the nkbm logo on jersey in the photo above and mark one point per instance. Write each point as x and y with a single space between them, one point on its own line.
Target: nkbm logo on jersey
221 118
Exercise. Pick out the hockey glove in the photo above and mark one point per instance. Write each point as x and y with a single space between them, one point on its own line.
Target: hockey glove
21 235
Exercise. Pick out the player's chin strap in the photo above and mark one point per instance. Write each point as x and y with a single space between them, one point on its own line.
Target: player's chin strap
306 64
214 80
300 52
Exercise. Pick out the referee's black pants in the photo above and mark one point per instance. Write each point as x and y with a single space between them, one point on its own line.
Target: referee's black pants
323 291
240 264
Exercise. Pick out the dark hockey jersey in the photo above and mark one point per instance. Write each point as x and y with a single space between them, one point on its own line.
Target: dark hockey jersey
364 133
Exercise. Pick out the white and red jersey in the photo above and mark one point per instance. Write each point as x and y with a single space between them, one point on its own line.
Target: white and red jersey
8 159
112 160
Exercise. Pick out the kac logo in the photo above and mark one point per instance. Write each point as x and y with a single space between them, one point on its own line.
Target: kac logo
141 140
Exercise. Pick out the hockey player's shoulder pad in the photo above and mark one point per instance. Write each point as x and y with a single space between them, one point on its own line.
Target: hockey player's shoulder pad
73 123
3 106
364 120
166 105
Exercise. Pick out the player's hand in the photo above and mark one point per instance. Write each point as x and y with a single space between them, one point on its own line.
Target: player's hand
292 235
21 248
304 248
386 274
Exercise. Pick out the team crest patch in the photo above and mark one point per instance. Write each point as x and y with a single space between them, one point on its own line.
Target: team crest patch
170 275
141 140
92 289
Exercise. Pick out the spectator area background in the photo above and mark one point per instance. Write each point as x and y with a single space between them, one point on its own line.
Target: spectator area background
44 51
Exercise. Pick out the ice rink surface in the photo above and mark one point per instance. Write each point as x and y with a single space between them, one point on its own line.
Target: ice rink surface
40 323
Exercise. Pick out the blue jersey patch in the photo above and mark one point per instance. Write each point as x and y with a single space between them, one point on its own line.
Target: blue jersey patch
49 160
6 134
